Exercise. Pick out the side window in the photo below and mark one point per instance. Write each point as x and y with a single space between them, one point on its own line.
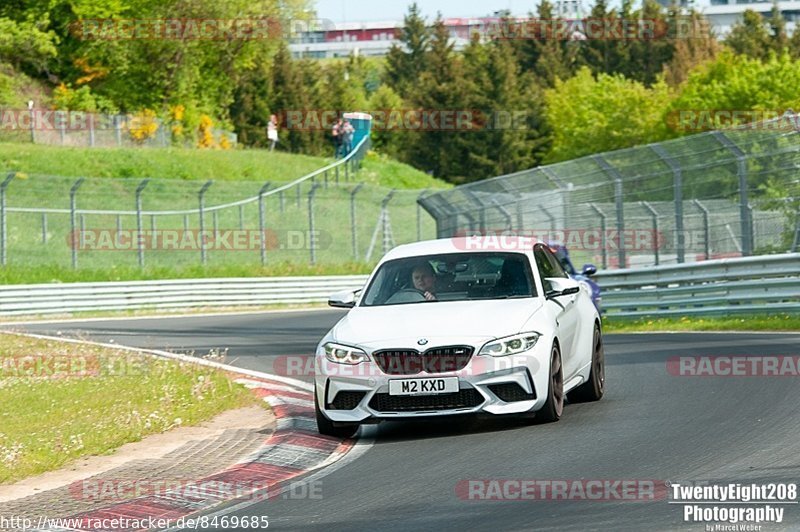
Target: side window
544 267
557 269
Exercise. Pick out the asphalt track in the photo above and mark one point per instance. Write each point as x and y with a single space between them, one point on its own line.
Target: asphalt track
651 425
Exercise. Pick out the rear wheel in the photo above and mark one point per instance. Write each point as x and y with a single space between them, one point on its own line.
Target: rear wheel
554 406
328 428
594 388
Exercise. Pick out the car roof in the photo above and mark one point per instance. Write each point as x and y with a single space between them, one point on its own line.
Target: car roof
477 244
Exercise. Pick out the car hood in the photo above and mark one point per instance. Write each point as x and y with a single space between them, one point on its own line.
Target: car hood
466 321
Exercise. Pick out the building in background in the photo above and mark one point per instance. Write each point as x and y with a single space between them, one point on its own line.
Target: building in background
723 14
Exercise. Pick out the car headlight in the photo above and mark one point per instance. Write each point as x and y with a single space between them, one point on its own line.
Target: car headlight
344 354
510 345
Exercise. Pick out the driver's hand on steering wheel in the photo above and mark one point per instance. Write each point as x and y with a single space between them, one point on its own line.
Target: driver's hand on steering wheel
429 296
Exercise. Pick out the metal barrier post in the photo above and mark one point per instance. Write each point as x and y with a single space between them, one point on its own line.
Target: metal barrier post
385 220
618 196
654 215
506 215
551 219
261 222
3 224
312 239
139 235
745 218
603 244
677 198
706 229
202 237
353 219
419 215
72 221
44 228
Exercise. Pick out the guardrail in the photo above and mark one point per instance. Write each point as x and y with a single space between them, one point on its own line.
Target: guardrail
179 293
762 284
751 285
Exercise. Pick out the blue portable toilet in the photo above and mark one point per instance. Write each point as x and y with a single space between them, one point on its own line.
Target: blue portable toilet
362 123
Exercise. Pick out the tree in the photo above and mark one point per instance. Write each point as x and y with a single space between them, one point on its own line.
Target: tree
591 115
404 63
750 36
691 51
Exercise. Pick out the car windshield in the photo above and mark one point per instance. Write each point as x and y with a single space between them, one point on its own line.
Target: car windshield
451 277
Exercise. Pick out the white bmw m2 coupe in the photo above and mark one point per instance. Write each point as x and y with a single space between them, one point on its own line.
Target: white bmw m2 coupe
460 326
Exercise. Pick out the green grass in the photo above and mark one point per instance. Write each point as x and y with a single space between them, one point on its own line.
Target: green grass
55 273
78 400
775 322
193 164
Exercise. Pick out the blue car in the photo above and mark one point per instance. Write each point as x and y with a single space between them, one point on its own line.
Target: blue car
560 251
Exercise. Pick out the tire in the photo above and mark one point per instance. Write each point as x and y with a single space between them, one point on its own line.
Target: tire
594 388
554 406
326 427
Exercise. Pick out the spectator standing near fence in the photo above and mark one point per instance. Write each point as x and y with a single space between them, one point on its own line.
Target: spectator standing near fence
338 137
349 131
272 132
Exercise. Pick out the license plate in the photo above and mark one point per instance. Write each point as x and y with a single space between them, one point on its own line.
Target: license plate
423 386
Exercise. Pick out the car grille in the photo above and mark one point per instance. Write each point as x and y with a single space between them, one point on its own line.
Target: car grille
346 400
465 398
511 392
434 360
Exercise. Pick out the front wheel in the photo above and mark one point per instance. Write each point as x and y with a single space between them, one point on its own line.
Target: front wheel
326 427
554 406
594 388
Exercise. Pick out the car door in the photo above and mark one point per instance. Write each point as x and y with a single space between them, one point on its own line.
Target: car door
566 309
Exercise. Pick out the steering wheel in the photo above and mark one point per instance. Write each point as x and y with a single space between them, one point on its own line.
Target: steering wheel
407 295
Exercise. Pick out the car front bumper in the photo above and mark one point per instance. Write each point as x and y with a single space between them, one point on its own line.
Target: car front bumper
511 384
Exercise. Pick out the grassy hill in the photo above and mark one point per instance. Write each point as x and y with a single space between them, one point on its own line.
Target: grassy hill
190 164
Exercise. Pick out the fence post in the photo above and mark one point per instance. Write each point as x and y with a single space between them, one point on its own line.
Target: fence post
419 214
118 129
654 219
261 221
620 206
551 219
201 236
603 244
482 209
506 215
325 178
91 130
44 228
215 222
796 242
677 198
353 219
706 229
153 223
185 222
385 220
73 192
745 219
3 221
139 236
312 239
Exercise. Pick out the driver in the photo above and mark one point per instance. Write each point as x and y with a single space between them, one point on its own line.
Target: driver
424 280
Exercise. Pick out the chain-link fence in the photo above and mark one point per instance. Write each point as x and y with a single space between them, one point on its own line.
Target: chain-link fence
325 217
78 128
712 195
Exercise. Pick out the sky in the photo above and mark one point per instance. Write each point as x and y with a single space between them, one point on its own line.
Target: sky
379 10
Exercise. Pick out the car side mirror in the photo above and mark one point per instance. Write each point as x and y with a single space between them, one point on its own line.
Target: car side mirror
346 299
589 269
561 286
